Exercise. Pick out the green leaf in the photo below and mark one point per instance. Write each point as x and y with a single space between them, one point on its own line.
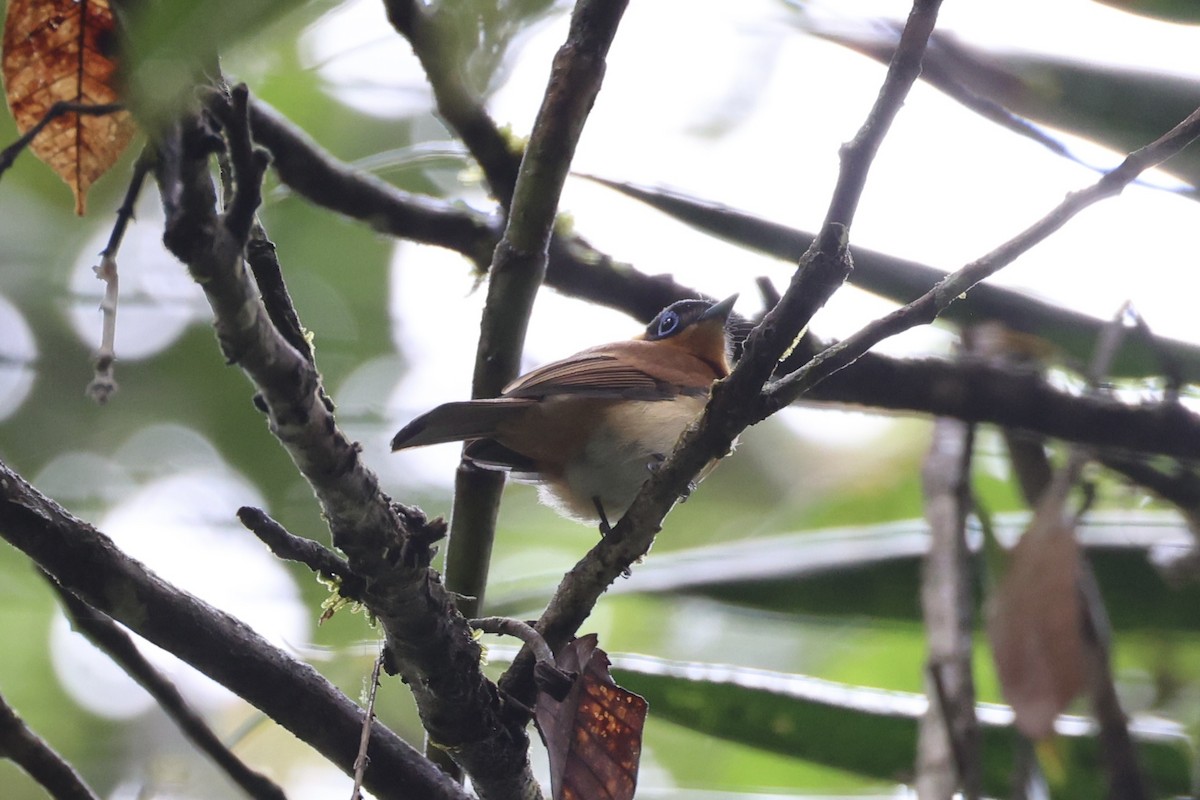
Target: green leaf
172 43
1182 11
874 571
874 732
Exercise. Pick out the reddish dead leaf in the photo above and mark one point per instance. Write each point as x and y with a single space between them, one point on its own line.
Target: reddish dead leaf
594 734
62 51
1035 624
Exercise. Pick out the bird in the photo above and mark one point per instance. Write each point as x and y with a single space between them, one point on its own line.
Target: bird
590 429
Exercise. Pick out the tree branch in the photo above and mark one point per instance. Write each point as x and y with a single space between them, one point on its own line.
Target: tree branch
90 566
30 752
1014 397
949 748
110 639
461 109
388 545
516 273
9 154
317 176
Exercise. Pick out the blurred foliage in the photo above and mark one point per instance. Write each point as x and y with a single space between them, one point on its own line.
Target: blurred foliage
855 621
1183 11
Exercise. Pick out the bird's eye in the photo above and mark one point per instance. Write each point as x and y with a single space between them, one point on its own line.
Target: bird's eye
667 323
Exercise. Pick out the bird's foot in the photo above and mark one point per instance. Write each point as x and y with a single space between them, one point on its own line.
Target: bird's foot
605 528
656 462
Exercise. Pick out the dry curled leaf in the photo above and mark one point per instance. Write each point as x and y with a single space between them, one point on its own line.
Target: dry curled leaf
62 51
1036 624
594 734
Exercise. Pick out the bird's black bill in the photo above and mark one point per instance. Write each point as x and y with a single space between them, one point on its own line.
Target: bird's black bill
719 310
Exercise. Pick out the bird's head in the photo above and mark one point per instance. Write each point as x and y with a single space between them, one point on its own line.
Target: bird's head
697 326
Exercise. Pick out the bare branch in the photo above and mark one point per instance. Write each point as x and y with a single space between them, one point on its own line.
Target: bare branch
9 154
30 752
361 760
949 749
290 547
90 566
506 626
103 384
109 638
387 545
316 175
456 103
518 267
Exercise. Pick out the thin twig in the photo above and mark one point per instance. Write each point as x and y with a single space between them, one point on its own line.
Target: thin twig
288 546
101 631
31 753
103 383
9 154
248 162
264 264
1125 778
507 626
949 754
364 741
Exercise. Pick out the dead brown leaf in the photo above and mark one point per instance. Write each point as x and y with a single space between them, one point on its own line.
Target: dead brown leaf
62 51
1035 624
594 734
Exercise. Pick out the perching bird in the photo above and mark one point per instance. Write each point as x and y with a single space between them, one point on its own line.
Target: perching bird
589 429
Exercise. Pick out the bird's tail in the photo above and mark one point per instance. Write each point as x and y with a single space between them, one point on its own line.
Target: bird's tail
457 422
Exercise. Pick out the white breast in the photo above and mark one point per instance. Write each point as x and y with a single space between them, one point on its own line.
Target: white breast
630 438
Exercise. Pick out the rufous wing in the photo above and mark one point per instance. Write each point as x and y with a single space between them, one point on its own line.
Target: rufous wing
630 370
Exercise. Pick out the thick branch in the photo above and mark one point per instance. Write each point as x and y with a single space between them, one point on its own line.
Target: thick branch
1012 397
387 545
119 646
316 175
89 565
972 392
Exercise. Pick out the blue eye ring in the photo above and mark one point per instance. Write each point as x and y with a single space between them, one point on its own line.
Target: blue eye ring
668 321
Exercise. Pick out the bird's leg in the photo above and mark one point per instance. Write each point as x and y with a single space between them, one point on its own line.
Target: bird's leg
605 528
